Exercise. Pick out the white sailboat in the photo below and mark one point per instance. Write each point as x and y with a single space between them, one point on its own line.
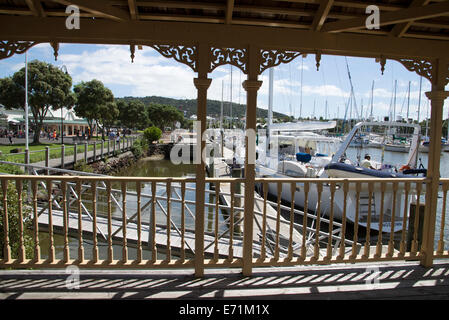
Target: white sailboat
339 167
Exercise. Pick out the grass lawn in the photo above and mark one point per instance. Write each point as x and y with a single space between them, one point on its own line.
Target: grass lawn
37 151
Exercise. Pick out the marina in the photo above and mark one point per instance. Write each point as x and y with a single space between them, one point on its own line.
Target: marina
284 229
249 149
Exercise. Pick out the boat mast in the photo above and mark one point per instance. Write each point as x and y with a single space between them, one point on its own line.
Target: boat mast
372 99
270 101
361 109
313 115
419 109
427 120
325 111
394 101
231 99
300 104
408 102
221 105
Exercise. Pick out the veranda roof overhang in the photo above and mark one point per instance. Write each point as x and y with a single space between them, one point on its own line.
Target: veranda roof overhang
407 29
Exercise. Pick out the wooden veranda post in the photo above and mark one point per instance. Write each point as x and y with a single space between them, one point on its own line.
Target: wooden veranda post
251 85
202 83
437 96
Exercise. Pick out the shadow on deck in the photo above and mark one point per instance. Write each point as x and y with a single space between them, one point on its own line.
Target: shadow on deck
406 280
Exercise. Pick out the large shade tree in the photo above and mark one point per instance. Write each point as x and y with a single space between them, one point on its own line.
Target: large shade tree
48 87
109 113
163 115
93 100
133 114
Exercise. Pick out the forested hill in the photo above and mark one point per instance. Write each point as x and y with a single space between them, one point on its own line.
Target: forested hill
213 106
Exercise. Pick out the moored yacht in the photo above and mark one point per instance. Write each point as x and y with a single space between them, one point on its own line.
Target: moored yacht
359 203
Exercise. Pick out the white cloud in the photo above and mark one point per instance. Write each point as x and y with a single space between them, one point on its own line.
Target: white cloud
150 74
328 90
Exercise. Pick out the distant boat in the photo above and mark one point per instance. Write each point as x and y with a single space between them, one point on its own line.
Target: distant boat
397 147
425 145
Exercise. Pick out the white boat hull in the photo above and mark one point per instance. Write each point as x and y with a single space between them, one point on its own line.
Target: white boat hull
397 148
352 214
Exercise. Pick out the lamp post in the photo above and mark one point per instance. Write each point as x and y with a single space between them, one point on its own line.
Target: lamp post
26 105
63 68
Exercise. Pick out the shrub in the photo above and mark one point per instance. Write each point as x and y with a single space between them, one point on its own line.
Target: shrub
152 134
139 147
10 169
136 149
14 225
82 166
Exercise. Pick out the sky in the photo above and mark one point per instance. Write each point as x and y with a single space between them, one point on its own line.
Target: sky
152 74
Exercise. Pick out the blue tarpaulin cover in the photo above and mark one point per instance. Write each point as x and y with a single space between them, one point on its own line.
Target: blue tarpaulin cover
303 157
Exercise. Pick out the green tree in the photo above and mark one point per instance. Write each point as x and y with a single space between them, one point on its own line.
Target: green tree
108 115
163 115
93 100
152 134
48 87
133 114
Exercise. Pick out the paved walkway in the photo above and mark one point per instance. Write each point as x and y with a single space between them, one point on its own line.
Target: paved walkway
404 280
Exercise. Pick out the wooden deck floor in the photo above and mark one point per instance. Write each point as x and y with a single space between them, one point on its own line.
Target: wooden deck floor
405 280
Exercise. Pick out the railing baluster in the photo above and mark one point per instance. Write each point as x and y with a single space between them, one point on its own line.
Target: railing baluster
341 254
94 222
109 200
37 248
292 221
22 252
440 248
414 247
304 220
231 223
278 221
168 224
65 221
217 203
263 252
316 253
153 223
7 247
402 247
356 221
124 223
331 223
51 247
366 252
80 224
183 222
393 219
139 221
381 216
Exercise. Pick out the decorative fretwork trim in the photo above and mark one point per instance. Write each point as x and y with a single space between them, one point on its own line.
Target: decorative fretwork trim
55 46
10 48
183 54
272 58
421 67
382 60
237 57
132 49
